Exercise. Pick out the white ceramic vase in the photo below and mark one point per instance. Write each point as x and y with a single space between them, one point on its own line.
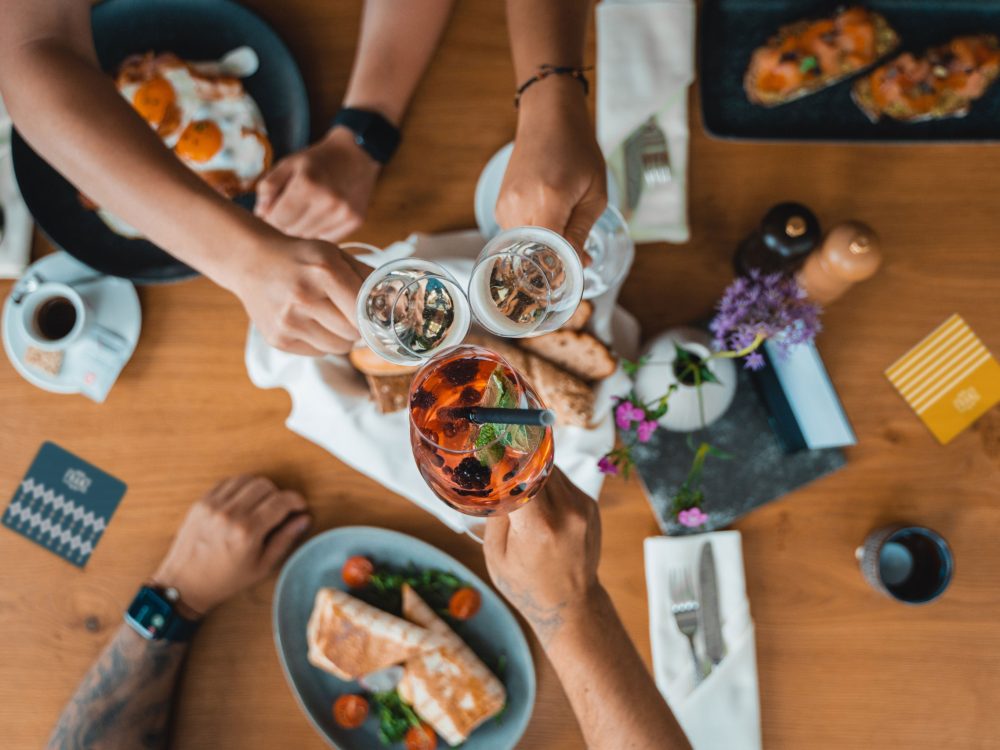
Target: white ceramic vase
683 413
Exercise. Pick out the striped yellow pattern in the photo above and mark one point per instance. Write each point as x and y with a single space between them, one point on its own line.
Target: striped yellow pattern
949 379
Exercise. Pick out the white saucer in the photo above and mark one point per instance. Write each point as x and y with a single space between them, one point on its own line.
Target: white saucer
115 305
488 191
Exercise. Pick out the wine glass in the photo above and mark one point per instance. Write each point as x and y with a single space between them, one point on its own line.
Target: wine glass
408 309
526 281
478 468
611 252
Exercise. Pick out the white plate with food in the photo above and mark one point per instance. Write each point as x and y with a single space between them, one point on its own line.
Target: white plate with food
387 641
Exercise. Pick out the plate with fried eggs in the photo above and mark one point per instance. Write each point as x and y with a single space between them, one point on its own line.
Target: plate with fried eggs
171 60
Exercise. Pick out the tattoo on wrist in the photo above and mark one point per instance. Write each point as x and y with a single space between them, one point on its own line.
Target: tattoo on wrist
545 620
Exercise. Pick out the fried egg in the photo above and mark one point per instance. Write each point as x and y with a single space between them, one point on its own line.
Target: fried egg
207 119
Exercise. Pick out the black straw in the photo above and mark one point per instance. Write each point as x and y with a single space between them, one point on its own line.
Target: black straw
486 415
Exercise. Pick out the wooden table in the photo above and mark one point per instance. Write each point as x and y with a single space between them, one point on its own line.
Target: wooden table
840 667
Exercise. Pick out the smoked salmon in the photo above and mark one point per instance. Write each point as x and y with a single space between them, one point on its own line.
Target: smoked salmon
806 56
942 83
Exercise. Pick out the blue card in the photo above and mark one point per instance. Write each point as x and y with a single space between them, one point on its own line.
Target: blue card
64 504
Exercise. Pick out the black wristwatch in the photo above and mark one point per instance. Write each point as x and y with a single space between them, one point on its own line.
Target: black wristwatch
153 615
373 132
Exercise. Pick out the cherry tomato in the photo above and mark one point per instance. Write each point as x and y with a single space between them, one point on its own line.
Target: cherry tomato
357 571
350 711
421 738
464 604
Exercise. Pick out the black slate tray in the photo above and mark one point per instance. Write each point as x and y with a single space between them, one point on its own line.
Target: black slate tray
757 472
731 29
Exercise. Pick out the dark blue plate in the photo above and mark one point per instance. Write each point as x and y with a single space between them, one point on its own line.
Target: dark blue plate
194 30
493 634
730 30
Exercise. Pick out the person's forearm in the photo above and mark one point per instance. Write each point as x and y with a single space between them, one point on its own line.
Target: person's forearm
611 691
126 698
396 43
70 112
546 33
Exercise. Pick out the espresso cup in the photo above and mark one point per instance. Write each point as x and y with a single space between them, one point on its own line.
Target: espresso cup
54 316
912 564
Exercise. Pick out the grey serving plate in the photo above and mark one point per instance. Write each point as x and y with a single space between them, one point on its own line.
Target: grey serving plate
729 31
493 633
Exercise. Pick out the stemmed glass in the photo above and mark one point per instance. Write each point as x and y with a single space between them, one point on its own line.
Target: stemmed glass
481 437
408 309
611 252
526 281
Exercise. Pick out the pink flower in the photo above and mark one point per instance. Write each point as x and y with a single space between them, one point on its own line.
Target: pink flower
607 466
626 413
692 517
645 430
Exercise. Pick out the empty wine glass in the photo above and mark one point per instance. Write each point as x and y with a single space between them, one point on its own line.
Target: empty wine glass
611 252
526 281
408 309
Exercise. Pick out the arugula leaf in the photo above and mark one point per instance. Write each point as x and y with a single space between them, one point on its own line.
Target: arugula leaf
808 63
395 717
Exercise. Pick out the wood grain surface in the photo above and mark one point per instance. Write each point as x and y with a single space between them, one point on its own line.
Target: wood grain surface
840 667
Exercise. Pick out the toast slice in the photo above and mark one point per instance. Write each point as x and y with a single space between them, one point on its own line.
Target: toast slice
810 55
580 317
578 352
944 82
450 688
349 638
389 392
567 395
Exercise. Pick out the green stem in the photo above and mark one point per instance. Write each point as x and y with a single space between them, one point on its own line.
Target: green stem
761 338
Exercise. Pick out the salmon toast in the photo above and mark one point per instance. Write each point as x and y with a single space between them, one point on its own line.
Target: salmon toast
809 55
942 83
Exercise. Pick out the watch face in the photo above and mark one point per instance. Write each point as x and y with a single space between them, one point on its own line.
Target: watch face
150 614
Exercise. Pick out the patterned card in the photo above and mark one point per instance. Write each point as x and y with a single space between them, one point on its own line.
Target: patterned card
64 504
949 379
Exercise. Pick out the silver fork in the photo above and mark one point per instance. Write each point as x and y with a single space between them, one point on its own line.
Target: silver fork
647 160
685 609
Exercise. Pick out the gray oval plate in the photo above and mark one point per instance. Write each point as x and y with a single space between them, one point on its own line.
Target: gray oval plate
493 633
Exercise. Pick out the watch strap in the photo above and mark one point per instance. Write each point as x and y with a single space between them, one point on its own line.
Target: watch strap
372 131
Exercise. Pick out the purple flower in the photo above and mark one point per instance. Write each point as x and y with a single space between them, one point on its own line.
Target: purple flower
692 517
626 413
754 361
645 430
607 466
771 305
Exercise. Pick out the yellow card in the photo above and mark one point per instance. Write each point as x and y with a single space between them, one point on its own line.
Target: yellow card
949 379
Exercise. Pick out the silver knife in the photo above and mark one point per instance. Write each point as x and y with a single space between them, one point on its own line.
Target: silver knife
711 618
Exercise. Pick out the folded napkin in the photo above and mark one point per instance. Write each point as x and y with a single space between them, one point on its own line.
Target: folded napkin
723 711
15 240
332 408
645 63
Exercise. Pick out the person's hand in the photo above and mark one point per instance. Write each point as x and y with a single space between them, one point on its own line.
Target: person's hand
321 192
231 539
543 557
301 294
556 177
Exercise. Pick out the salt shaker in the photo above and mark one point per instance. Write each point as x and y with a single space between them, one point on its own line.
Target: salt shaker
787 234
849 254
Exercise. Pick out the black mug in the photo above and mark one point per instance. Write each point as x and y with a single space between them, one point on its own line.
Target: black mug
912 564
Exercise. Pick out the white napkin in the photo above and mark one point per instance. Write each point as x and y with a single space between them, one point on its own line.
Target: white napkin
331 405
723 712
15 244
645 63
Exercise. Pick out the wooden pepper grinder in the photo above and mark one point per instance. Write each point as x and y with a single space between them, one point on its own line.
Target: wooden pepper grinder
849 254
787 234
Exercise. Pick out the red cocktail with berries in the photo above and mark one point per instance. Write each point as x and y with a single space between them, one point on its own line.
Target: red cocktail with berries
478 467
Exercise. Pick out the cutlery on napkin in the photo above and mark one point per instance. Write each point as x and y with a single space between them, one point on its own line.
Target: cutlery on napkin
645 63
721 711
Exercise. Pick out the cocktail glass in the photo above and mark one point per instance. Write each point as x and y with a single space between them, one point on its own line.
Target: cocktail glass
526 281
410 309
478 469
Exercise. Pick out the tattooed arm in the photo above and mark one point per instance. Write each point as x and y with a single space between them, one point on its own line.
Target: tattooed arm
125 700
231 539
544 558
